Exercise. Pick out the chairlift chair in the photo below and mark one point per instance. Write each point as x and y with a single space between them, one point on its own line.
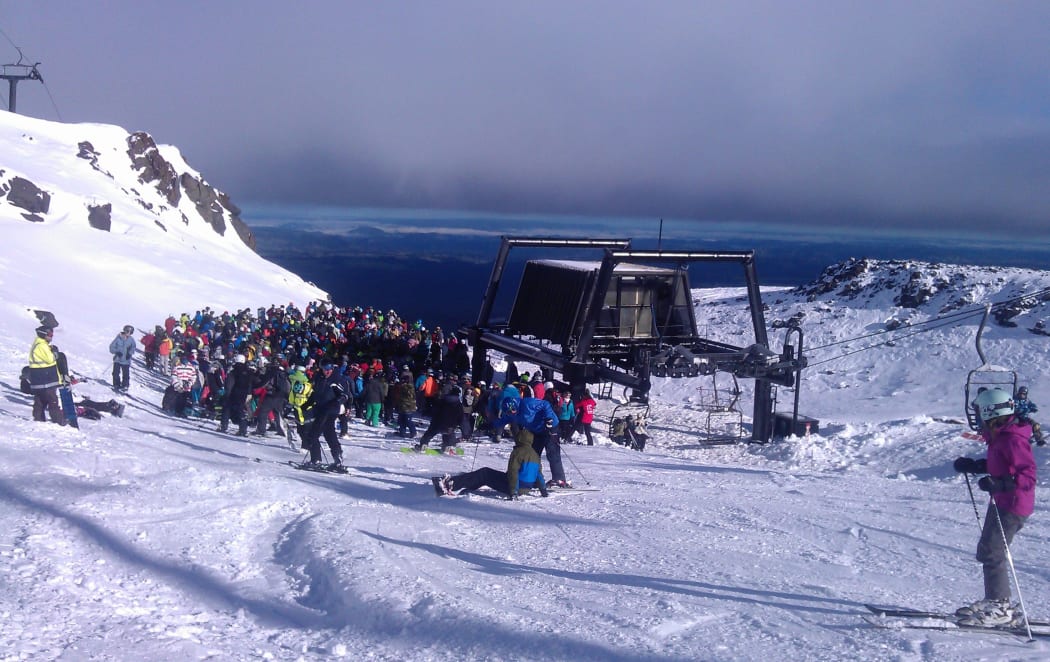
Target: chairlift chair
985 376
632 408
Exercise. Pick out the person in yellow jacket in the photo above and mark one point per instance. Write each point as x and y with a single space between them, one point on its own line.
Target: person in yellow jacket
300 392
44 378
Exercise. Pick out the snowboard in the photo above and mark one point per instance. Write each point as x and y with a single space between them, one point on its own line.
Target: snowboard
69 408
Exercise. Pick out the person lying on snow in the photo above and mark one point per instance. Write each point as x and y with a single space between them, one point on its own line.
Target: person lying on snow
523 473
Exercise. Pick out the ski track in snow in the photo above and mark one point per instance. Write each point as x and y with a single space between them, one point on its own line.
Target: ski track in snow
735 557
155 538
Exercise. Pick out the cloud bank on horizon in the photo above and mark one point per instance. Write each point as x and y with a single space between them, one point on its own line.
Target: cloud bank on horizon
932 115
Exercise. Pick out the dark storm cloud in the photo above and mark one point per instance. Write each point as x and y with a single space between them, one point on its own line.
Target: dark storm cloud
934 114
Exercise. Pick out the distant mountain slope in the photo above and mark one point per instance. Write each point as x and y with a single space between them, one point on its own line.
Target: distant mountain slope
888 335
120 229
937 289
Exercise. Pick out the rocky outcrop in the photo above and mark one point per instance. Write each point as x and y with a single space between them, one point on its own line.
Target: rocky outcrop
26 195
243 231
99 216
937 289
152 168
214 206
206 201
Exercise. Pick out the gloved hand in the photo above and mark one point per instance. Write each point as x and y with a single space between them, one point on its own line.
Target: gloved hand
967 465
549 423
993 484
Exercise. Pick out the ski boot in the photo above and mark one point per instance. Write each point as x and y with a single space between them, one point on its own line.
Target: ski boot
987 613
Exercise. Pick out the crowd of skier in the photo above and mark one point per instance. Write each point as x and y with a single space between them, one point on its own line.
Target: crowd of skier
321 368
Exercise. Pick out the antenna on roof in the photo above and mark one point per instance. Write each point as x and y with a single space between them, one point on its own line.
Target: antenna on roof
15 73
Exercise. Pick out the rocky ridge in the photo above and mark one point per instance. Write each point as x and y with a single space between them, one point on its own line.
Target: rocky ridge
1022 295
167 183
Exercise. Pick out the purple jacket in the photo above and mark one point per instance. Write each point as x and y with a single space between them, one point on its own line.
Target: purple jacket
1010 454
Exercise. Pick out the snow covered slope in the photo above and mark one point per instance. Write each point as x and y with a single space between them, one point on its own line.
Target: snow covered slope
151 538
161 239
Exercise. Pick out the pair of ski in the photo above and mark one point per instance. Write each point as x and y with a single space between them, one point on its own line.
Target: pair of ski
916 619
531 494
319 468
451 450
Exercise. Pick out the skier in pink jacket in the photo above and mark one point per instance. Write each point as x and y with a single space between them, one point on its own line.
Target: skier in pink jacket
1011 483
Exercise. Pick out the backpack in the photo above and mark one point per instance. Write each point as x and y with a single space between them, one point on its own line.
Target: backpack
281 385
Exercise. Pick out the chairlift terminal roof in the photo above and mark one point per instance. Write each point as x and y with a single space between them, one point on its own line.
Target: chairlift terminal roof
594 265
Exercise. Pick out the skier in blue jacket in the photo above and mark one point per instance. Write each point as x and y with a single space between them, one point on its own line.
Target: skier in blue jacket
538 417
1023 409
122 348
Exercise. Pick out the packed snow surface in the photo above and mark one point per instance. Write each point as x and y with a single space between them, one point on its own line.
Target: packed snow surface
153 538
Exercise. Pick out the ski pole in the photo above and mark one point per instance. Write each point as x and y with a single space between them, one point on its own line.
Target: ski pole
973 501
1013 571
574 465
477 445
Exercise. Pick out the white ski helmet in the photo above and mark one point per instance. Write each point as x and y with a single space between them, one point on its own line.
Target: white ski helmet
239 358
994 403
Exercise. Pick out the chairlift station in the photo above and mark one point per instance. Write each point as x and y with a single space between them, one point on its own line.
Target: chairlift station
624 318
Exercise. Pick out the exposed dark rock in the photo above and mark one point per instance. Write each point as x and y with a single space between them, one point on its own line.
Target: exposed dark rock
939 289
244 232
214 206
205 200
33 218
916 291
26 195
88 153
46 317
1005 314
99 216
837 276
152 168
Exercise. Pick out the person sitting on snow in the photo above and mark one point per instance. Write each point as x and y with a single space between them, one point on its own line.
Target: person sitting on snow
523 473
1023 409
538 417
